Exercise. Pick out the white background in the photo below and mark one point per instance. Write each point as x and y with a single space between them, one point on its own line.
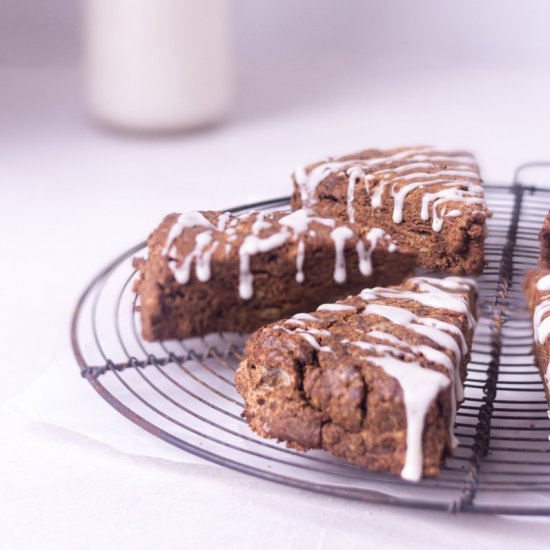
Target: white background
311 78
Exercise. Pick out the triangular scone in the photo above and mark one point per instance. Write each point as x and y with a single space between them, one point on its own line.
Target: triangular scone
374 379
215 271
427 199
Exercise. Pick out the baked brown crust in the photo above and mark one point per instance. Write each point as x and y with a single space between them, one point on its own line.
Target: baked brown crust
441 216
544 240
337 379
537 289
239 273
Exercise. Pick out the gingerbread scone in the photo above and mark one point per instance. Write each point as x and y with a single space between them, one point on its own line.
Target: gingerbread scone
427 199
213 271
374 379
537 287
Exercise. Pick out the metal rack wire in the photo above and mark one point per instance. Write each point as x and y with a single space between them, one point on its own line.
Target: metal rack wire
183 392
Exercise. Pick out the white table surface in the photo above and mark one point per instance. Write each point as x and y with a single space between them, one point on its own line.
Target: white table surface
73 196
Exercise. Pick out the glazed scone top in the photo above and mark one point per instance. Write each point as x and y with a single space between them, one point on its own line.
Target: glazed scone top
448 182
399 356
197 237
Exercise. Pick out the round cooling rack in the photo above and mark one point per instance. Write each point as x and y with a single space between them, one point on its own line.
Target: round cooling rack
183 392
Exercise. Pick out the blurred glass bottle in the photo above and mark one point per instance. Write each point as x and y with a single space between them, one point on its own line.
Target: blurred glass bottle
157 65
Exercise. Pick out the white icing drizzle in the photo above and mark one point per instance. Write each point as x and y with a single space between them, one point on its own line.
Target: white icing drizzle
319 332
305 317
414 166
367 294
440 173
431 354
443 339
300 257
430 294
543 284
419 168
453 213
397 315
223 220
433 326
446 327
463 284
355 174
399 196
253 245
382 349
541 323
308 180
336 307
433 300
413 154
339 236
471 194
296 322
365 255
442 197
182 272
260 224
306 335
299 221
420 387
309 336
202 262
379 335
435 356
376 198
185 220
463 160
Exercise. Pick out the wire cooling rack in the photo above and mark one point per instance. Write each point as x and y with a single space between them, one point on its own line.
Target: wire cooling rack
183 392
